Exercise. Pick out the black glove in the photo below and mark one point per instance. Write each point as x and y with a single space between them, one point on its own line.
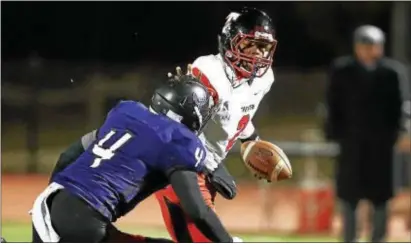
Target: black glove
223 182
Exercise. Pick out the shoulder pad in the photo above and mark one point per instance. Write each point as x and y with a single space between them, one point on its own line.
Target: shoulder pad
127 103
269 78
210 70
265 82
186 149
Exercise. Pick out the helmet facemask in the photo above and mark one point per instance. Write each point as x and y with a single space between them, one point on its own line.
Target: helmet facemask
251 55
247 44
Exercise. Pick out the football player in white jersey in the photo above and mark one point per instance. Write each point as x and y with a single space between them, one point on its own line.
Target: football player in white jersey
238 76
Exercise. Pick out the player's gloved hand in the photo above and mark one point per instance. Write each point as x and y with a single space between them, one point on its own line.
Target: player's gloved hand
223 182
237 239
179 73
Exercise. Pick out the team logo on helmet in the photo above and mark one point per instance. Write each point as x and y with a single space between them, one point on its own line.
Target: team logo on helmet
200 99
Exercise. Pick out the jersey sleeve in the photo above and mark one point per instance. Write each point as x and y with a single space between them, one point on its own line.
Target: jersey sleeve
270 81
209 70
248 131
184 151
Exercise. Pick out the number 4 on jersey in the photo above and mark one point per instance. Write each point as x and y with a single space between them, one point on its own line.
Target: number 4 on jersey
107 153
199 153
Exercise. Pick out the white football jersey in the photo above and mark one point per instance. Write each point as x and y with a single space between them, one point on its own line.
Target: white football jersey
238 105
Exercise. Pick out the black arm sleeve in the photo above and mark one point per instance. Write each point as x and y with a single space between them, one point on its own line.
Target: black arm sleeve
72 153
185 186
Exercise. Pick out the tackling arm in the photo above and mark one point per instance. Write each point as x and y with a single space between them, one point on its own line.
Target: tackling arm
221 179
185 186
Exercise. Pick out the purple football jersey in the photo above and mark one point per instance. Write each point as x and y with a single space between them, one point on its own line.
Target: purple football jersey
130 159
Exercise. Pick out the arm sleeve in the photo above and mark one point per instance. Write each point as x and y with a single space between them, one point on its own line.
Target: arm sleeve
186 188
249 133
73 152
272 79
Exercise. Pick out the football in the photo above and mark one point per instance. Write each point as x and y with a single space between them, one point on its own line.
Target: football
266 160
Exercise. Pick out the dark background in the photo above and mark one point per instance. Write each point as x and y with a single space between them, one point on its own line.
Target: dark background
310 33
59 45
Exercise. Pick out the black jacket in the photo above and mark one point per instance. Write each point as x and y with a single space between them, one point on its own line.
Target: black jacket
364 117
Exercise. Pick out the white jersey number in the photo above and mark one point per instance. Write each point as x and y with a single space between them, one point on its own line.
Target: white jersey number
102 153
199 153
242 124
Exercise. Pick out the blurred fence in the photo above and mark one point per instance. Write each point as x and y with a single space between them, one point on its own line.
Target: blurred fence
70 99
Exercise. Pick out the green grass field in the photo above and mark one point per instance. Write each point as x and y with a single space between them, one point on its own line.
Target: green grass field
18 232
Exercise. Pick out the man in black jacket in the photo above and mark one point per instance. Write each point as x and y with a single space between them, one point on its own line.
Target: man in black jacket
365 95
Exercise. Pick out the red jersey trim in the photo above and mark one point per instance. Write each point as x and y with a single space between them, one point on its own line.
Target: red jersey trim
206 82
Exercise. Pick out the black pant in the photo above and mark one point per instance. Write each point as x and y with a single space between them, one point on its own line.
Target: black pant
379 221
74 220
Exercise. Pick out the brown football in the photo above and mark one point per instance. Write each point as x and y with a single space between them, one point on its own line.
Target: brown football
266 160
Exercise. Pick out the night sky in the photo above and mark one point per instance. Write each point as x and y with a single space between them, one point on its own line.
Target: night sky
150 31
